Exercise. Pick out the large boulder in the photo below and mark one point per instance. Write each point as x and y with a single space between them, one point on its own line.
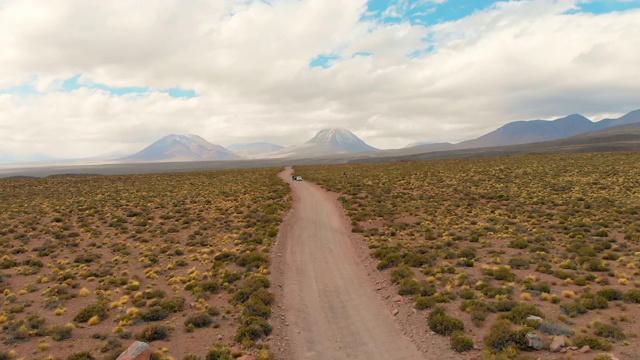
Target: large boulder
534 341
557 344
138 350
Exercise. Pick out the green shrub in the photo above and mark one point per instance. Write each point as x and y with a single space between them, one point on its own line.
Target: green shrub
154 294
264 296
248 287
252 328
491 292
424 302
255 307
500 335
501 273
573 309
632 296
595 265
219 352
518 263
199 321
155 313
442 324
59 333
213 311
519 243
520 312
427 289
99 309
603 357
172 304
253 260
591 302
402 272
594 342
87 258
460 342
504 305
610 294
608 331
81 355
153 333
191 357
209 286
408 287
467 294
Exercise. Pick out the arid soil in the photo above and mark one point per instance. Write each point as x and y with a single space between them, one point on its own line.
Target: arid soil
330 305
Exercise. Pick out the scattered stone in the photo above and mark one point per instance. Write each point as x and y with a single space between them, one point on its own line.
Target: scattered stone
534 318
138 350
573 348
534 341
246 357
398 299
395 312
563 350
585 349
557 344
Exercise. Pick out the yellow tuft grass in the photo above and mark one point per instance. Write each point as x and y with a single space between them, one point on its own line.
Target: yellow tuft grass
94 320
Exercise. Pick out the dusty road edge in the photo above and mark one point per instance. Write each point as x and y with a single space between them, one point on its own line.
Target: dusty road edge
279 339
412 323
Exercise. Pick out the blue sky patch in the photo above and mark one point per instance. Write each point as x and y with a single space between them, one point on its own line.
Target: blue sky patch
180 93
72 84
324 61
420 12
20 90
607 6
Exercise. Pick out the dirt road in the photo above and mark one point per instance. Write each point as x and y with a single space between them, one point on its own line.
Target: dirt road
331 310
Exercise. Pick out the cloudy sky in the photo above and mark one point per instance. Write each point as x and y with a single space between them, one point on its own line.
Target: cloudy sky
80 78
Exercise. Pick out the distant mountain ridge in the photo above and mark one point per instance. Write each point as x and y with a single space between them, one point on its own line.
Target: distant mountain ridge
326 142
343 143
532 131
182 148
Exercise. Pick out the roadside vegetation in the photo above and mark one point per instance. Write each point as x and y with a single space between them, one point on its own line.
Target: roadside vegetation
89 264
481 245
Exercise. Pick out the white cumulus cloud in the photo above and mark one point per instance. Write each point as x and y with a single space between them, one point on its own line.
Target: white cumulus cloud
248 62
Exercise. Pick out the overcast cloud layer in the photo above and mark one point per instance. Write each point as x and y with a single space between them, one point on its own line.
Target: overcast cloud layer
250 66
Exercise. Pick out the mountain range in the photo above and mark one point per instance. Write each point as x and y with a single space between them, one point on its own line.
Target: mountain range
615 138
526 132
182 148
342 142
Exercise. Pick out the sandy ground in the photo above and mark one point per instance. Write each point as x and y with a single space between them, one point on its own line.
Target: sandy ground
329 307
